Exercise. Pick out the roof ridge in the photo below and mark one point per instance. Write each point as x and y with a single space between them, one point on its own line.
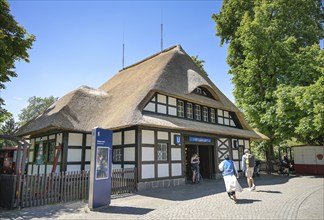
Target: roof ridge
152 56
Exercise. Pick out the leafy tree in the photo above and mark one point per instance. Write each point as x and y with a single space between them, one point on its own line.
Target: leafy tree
36 107
14 43
8 128
300 112
271 44
199 63
4 114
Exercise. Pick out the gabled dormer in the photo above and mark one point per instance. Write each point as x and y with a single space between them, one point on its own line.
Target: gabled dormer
204 92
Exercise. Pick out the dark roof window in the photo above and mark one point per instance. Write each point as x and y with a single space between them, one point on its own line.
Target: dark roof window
204 92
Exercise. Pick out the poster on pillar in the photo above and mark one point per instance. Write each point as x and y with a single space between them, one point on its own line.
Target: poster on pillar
100 168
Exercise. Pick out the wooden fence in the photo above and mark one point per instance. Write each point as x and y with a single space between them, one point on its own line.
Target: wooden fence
124 181
38 190
44 189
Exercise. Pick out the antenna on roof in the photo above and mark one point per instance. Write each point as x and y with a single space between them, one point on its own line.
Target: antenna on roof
123 59
161 31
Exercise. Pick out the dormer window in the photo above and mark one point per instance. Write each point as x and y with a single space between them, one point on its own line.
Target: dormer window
175 107
203 92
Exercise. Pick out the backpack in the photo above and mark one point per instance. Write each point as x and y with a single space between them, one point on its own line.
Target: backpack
249 160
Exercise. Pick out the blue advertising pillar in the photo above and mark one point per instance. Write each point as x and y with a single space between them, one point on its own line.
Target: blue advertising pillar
100 168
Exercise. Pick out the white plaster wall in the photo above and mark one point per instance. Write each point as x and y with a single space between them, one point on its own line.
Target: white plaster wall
150 107
172 101
147 153
117 138
31 155
116 166
163 170
44 138
88 140
74 155
59 139
129 137
247 144
72 168
49 168
32 142
147 137
235 155
57 169
221 152
51 137
175 153
30 168
226 121
75 139
148 171
87 167
176 169
129 165
41 169
87 155
129 154
37 139
161 109
162 135
241 142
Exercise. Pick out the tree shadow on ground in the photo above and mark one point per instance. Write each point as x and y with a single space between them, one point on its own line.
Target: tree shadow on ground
41 212
211 187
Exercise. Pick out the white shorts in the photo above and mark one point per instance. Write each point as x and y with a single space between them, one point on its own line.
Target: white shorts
249 172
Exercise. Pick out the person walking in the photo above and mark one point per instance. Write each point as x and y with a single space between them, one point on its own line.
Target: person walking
195 167
230 176
248 168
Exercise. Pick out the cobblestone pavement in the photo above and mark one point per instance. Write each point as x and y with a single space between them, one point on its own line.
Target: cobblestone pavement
276 197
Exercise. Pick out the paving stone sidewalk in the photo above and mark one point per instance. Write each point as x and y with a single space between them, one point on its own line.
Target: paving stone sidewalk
276 197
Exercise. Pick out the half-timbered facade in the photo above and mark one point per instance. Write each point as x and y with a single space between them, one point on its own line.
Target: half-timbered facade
161 110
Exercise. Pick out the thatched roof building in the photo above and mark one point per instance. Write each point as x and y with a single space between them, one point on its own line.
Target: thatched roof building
119 102
161 110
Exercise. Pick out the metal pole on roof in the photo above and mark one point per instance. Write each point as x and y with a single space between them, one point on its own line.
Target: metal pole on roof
123 54
161 31
161 37
123 60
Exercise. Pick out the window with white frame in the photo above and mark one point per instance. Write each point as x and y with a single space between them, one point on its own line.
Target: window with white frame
205 114
180 109
189 110
162 151
117 155
197 112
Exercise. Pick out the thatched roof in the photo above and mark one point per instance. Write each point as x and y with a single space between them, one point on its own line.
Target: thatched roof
119 102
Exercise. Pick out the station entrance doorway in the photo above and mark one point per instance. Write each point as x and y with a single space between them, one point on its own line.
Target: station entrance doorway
205 153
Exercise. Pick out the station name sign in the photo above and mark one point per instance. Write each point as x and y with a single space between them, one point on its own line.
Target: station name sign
200 139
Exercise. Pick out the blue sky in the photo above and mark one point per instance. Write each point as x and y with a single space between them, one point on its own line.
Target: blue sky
80 43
